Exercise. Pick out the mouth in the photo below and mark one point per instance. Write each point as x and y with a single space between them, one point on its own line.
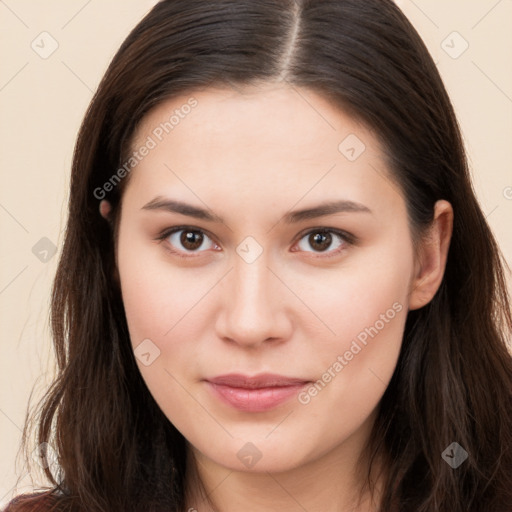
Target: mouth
257 393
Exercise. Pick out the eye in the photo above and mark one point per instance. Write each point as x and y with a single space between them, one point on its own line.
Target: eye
187 240
324 241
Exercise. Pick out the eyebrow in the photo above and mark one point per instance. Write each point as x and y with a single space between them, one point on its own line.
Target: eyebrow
329 208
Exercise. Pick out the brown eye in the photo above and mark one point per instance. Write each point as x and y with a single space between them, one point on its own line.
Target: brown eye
191 240
186 240
323 241
320 241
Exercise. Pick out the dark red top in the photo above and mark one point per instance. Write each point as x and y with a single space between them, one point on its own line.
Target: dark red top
37 502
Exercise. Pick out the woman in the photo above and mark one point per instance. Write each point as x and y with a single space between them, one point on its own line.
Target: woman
277 290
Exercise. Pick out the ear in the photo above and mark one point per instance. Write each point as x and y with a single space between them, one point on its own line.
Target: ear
432 254
105 209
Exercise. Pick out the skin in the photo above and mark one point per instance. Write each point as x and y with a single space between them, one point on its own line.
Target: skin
251 156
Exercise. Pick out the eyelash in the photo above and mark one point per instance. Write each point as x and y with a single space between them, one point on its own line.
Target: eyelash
346 238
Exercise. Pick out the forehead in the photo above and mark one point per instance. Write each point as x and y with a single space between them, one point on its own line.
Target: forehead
272 140
284 118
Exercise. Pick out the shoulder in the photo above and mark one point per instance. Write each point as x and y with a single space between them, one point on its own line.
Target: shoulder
36 502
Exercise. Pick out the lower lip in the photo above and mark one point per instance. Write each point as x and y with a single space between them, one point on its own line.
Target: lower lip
255 400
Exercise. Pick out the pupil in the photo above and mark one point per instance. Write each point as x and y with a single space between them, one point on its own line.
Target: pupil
191 240
322 241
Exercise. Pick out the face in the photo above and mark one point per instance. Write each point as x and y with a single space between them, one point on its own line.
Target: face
266 266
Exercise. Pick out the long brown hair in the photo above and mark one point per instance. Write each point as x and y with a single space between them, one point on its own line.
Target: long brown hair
453 380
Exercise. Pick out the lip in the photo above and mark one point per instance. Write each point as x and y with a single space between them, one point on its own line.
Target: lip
255 393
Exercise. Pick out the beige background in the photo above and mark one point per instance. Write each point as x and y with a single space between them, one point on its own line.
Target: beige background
42 101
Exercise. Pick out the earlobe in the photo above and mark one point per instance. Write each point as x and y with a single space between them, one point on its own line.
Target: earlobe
432 257
105 209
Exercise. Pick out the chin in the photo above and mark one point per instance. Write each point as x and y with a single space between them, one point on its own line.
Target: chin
257 454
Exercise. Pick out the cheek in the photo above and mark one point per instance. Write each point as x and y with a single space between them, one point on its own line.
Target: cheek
156 294
361 298
158 300
363 307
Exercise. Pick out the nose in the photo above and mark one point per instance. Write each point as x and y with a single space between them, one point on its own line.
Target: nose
254 306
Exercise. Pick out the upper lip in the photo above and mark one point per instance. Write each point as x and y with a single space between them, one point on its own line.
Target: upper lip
263 380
